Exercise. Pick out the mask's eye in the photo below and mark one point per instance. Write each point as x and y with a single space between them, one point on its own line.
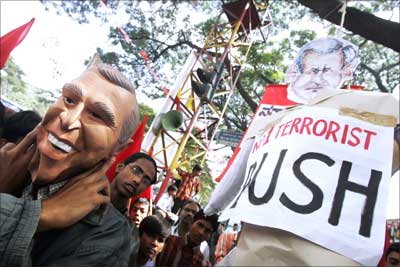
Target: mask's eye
68 101
95 115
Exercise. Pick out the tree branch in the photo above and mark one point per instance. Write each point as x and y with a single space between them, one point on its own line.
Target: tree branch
362 23
377 77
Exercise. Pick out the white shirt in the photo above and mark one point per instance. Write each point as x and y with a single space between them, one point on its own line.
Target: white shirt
166 202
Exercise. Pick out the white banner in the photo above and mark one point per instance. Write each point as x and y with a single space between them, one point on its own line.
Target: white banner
324 177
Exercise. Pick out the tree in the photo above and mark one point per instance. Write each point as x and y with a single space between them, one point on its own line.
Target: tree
16 89
360 22
168 38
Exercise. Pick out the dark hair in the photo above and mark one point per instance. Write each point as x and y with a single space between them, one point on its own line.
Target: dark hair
394 247
116 77
191 202
141 200
141 155
172 188
212 219
197 168
154 225
19 124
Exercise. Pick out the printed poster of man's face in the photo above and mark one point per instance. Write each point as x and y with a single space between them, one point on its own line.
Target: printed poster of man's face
324 63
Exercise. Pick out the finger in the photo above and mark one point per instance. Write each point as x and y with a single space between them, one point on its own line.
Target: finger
8 146
28 140
102 200
27 156
102 187
106 165
107 189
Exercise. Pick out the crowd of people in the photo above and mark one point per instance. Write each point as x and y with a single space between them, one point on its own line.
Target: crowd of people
58 208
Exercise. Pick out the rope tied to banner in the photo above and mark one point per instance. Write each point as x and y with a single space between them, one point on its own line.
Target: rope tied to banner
343 11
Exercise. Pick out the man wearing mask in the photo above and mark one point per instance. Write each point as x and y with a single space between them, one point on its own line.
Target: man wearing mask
63 216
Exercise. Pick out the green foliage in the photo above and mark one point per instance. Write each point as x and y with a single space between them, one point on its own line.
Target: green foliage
146 110
11 78
25 95
207 186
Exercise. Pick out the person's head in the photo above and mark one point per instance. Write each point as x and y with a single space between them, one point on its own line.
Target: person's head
140 210
172 189
91 122
202 227
196 171
153 231
136 174
235 227
189 210
321 64
393 255
19 124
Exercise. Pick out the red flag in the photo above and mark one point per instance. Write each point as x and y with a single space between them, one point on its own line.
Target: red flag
10 40
137 139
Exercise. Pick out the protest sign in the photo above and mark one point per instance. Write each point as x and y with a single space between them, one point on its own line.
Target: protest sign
326 170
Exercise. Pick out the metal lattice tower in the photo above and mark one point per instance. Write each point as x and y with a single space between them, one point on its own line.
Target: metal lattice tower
203 88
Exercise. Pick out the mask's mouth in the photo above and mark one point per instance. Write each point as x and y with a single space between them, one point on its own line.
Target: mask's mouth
58 144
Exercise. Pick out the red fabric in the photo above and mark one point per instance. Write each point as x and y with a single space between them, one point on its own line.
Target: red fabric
11 39
137 139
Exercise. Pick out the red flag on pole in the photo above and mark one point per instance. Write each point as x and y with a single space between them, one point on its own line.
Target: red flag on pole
11 39
137 139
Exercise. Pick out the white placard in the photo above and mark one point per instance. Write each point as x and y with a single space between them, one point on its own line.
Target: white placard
324 177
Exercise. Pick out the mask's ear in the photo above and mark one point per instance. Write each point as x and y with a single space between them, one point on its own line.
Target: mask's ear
291 73
122 147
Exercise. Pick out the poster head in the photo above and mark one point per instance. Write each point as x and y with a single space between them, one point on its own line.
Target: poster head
324 63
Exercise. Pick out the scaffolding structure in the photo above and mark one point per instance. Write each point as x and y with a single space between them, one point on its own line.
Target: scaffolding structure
203 88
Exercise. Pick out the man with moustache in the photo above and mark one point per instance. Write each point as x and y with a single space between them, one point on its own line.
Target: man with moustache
64 216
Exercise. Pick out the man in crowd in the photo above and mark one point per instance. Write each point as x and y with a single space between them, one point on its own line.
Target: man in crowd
263 245
133 177
226 241
185 250
188 188
393 255
186 216
166 201
188 212
140 210
64 211
153 232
